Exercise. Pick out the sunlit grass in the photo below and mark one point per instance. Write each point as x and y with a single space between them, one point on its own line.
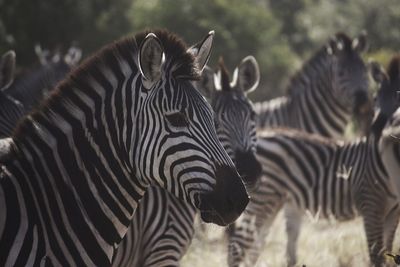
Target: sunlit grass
320 244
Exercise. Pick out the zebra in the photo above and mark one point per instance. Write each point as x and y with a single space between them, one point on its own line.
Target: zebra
389 142
163 226
11 110
127 118
326 177
321 97
33 86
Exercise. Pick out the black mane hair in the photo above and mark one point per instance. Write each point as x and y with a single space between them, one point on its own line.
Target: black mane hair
393 69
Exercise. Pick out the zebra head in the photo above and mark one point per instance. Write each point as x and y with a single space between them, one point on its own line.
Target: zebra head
350 74
387 98
235 117
180 149
7 68
54 67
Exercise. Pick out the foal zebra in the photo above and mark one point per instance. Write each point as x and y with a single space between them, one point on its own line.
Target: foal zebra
325 177
11 110
127 118
163 226
324 93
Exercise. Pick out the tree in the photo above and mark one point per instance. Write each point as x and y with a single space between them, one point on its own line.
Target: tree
58 23
242 28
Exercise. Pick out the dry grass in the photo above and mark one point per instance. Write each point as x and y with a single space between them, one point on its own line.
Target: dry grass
320 244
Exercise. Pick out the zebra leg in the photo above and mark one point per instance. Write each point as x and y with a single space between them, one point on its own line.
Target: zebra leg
390 226
247 238
373 225
293 224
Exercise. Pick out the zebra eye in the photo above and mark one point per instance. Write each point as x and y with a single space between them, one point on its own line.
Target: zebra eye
177 119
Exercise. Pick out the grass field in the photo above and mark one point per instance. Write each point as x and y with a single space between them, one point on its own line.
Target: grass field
320 244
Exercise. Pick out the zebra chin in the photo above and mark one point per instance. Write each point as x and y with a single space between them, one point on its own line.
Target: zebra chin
228 200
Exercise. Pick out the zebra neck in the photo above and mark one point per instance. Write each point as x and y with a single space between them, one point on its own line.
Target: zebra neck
73 165
317 111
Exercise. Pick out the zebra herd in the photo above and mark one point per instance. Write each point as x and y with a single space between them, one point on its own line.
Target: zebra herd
111 168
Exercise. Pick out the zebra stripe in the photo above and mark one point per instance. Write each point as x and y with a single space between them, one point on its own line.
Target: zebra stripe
163 227
322 96
81 162
160 233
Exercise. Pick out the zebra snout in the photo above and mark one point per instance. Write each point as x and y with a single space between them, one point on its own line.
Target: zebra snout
362 102
248 167
228 200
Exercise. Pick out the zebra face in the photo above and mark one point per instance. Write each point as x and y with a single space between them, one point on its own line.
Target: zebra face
388 96
181 151
234 114
350 74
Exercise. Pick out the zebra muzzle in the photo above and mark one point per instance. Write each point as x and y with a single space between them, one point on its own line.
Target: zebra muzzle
228 200
249 168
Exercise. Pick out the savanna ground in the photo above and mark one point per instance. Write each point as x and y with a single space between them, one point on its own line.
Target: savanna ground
323 243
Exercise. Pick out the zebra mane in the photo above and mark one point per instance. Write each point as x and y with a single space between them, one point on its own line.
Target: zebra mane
310 66
346 41
181 63
225 79
298 134
393 68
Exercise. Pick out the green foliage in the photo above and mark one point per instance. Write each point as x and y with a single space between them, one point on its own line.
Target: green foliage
242 28
57 23
322 18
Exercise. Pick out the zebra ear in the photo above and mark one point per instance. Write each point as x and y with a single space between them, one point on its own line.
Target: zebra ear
7 69
377 72
202 50
247 74
151 56
334 46
360 43
43 55
206 84
73 56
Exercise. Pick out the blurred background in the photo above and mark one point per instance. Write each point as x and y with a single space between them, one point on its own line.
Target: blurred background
280 34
